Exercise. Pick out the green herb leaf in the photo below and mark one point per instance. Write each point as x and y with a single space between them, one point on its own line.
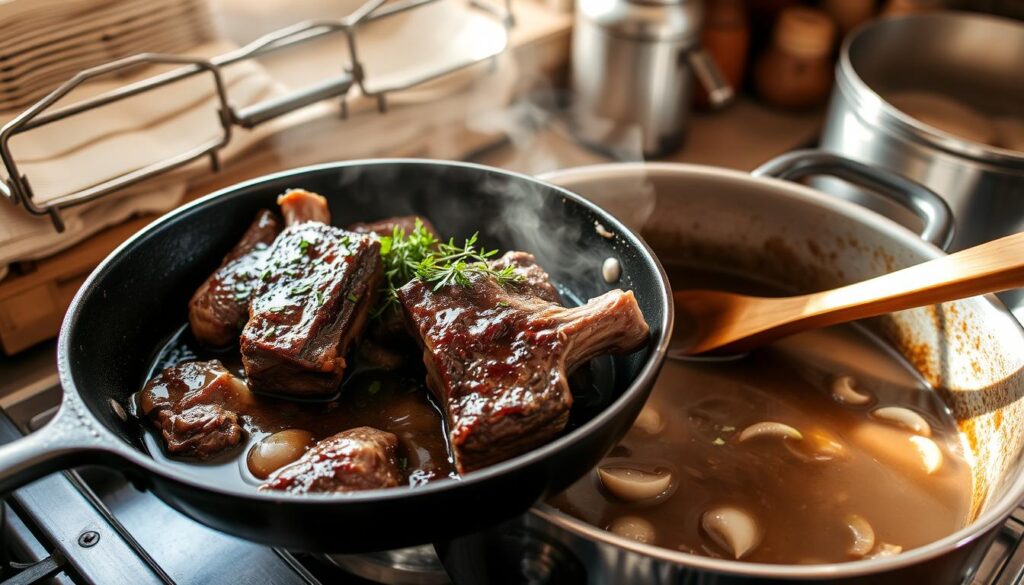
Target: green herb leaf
374 387
419 254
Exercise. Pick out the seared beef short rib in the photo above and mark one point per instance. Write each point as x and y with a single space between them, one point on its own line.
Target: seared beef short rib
315 293
362 458
498 357
533 279
191 403
219 307
385 227
299 206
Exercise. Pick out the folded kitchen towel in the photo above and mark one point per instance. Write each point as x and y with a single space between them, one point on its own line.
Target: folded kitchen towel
101 144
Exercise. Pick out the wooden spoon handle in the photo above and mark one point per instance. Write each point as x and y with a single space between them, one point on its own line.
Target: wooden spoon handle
991 267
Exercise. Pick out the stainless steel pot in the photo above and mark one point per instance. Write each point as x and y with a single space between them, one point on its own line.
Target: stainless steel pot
633 66
972 351
978 61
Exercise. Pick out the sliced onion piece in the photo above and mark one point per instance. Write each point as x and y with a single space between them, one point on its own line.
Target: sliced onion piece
633 485
732 529
770 429
885 550
931 455
633 528
863 535
843 391
905 418
650 421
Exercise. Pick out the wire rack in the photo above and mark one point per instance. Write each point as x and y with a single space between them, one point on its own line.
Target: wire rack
18 190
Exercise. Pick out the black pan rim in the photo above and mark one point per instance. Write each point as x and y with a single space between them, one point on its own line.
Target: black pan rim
134 456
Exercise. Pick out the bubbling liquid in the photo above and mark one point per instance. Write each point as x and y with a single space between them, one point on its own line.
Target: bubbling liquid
823 447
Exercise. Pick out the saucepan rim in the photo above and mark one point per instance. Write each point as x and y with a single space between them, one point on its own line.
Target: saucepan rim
860 93
987 520
136 456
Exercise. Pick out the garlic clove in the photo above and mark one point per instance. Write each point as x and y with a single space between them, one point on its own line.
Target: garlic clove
903 417
633 528
649 421
931 455
863 535
844 392
732 529
885 550
770 429
277 450
633 485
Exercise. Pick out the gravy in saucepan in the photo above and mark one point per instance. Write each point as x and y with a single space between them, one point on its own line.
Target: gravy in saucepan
823 447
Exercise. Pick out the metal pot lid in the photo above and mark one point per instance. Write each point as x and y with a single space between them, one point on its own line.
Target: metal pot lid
875 110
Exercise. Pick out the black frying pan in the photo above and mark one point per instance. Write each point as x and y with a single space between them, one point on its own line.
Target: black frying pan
138 297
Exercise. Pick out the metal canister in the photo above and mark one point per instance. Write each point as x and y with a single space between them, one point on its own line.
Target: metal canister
633 66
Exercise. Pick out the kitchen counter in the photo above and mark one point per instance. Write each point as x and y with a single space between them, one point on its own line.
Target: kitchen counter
741 137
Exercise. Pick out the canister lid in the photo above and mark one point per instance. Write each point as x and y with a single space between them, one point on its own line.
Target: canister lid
805 32
656 20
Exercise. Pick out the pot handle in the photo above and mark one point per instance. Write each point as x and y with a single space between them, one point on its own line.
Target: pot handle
720 93
923 202
69 440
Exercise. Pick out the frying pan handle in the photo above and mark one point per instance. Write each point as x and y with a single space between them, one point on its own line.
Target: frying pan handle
923 202
69 440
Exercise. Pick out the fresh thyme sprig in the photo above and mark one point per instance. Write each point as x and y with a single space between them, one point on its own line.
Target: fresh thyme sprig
419 254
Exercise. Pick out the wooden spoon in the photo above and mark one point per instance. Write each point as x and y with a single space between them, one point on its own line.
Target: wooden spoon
722 322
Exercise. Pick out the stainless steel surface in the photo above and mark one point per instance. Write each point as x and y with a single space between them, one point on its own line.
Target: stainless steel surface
936 217
738 215
17 187
417 565
975 59
633 69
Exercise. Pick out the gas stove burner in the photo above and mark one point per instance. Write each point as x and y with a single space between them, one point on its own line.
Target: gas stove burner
416 565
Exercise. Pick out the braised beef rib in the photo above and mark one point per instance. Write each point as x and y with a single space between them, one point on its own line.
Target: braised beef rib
498 357
315 293
362 458
219 307
191 404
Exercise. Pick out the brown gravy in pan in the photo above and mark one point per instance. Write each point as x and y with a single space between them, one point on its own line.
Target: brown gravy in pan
842 480
395 400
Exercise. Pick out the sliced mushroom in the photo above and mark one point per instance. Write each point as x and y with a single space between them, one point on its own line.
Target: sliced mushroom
649 421
633 528
732 529
863 535
885 550
634 485
770 429
278 450
903 417
931 455
843 391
